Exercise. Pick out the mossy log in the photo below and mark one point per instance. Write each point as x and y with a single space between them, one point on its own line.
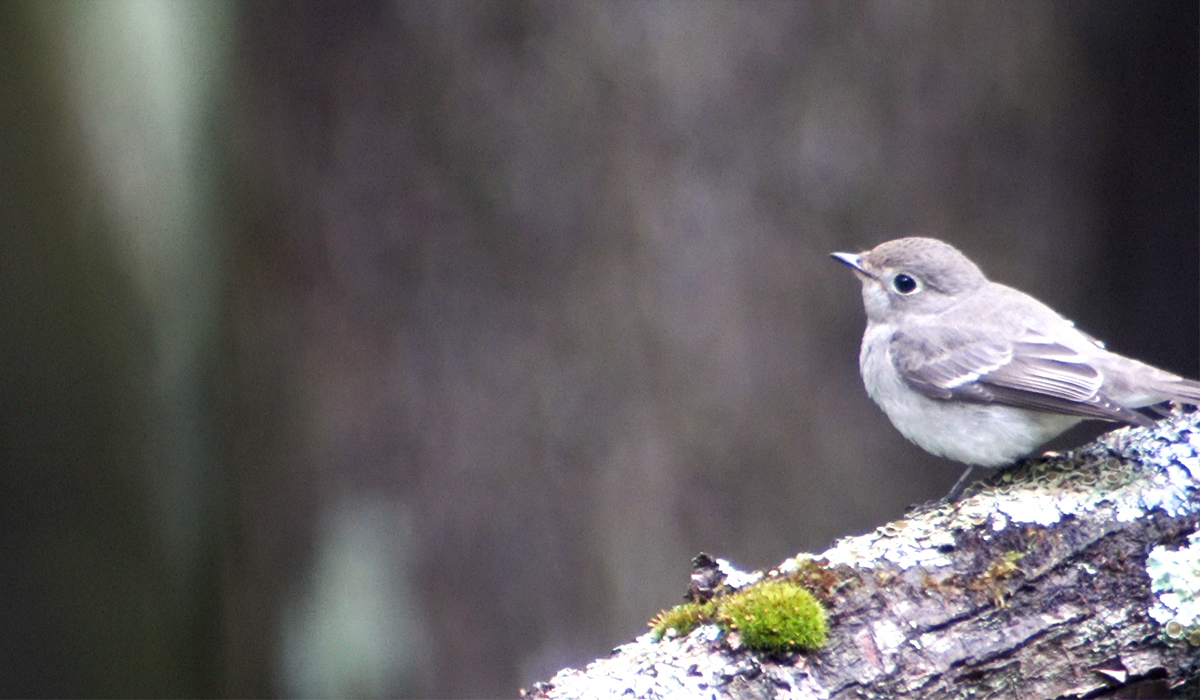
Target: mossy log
1069 576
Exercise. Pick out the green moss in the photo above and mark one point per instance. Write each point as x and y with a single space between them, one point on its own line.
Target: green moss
991 581
681 619
774 616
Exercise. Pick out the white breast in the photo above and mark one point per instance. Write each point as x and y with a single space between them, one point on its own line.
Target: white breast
973 433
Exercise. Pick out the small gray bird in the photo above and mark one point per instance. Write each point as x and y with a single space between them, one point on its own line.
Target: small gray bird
981 373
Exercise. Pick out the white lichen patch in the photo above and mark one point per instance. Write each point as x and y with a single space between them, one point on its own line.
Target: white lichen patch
1175 581
735 577
921 542
888 638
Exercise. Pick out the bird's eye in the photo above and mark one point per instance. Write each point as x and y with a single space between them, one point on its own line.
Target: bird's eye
904 284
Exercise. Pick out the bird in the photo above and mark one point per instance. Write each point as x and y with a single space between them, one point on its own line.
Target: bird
981 373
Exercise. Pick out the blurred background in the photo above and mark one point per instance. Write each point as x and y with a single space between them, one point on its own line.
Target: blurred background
414 348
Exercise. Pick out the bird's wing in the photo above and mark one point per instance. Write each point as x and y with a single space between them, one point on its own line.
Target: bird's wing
1031 372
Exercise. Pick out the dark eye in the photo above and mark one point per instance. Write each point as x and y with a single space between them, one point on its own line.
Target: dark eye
904 284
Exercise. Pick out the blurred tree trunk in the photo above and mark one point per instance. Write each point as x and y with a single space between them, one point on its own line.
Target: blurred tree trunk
109 316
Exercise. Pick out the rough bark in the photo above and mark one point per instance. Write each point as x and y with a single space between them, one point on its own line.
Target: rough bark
1070 576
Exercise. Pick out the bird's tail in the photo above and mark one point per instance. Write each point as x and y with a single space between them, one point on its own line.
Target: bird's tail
1138 384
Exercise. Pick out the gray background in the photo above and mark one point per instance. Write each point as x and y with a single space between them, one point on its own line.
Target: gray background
414 348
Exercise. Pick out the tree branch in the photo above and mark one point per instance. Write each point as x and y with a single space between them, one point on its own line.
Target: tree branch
1068 576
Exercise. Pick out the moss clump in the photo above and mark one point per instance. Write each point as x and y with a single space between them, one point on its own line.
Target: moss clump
774 616
818 577
681 619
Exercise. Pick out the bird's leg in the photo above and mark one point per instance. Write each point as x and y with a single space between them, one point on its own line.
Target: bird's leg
959 486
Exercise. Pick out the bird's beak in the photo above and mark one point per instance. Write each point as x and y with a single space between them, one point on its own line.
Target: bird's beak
850 260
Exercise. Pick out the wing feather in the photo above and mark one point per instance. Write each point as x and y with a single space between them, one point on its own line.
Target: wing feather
1033 372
